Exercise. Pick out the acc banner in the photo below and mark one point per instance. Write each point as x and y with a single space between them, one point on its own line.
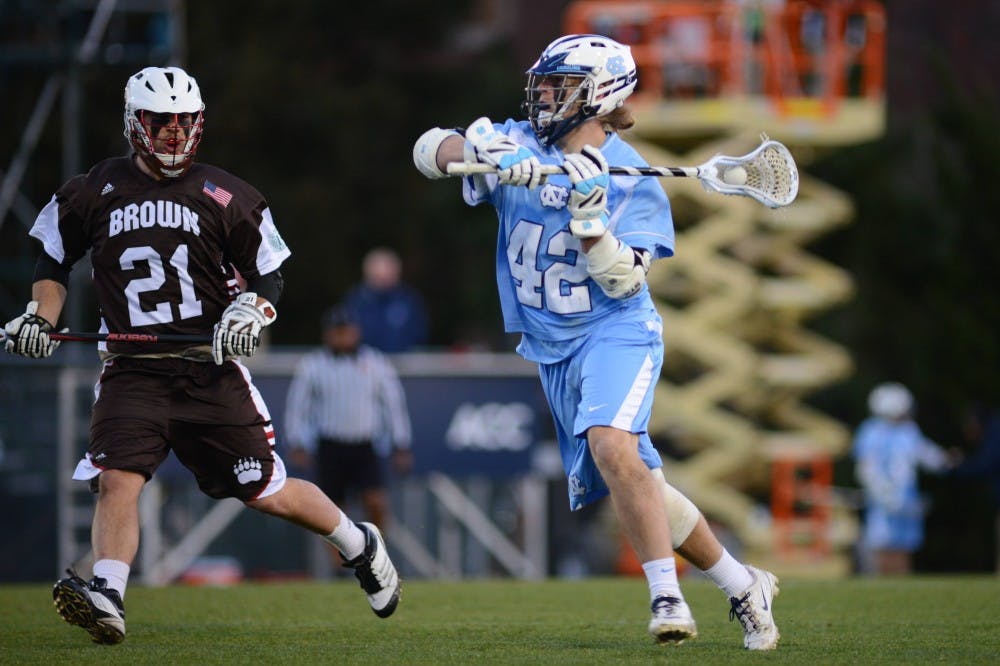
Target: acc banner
476 426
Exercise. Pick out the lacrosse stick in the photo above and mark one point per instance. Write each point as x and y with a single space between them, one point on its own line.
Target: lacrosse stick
768 174
71 336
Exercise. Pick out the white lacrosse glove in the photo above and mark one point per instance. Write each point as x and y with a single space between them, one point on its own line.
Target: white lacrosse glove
618 269
238 331
588 201
28 335
515 164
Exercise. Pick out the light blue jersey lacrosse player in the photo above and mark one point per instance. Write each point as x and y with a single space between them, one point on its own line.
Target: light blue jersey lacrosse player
573 250
599 353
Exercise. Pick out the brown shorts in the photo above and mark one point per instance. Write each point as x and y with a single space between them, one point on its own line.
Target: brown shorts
212 417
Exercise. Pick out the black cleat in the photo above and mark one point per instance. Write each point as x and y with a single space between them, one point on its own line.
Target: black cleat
376 573
91 605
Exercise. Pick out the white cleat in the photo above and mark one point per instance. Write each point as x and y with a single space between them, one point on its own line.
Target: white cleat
672 621
753 608
376 573
91 605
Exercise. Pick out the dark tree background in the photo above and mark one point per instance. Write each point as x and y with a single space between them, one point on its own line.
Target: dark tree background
318 106
924 251
326 131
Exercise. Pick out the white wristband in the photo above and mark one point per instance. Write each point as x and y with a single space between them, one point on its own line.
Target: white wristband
588 228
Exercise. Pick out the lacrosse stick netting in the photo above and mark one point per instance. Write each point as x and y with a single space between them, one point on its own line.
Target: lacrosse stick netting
768 174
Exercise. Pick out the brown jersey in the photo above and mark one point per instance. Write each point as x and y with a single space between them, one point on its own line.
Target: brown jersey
163 251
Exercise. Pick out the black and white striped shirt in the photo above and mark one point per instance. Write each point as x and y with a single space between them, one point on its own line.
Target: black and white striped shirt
350 398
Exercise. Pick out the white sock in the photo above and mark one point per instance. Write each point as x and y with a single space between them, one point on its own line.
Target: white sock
662 578
729 574
115 572
347 537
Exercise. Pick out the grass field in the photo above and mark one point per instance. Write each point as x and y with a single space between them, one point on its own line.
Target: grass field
599 621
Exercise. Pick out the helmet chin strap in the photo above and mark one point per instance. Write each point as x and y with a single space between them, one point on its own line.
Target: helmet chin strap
174 173
562 128
159 166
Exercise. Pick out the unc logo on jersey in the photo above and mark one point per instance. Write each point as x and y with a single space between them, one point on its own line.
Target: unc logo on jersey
554 196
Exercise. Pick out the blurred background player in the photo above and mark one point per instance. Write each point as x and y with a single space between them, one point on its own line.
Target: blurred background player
889 450
164 233
346 410
573 252
392 314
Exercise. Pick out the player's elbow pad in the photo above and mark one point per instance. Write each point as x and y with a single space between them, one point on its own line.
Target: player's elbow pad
425 151
617 268
267 286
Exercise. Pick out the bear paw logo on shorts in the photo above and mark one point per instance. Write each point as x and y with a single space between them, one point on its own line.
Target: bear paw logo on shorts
247 470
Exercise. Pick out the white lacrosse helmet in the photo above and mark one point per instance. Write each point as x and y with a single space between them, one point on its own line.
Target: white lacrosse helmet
589 76
157 97
891 400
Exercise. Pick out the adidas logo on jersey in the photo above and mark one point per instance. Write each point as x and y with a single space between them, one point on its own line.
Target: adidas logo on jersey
108 188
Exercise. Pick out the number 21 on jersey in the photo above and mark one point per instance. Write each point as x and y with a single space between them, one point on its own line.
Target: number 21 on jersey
161 313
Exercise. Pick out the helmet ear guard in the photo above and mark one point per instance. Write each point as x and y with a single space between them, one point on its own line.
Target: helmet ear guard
587 76
163 90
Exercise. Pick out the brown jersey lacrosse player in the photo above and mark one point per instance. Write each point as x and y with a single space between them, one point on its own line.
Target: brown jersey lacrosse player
167 237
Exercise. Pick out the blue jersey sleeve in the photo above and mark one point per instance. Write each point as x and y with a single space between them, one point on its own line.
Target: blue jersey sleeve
638 208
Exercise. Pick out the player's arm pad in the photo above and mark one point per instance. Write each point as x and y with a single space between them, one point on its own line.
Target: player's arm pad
268 286
47 268
425 151
616 267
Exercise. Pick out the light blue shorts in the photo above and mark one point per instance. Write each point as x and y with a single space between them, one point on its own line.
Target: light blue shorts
886 530
609 381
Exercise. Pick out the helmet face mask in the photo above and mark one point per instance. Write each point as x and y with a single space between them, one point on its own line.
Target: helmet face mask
553 98
576 78
164 118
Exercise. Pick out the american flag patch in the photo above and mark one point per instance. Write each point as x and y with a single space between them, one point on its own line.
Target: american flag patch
221 196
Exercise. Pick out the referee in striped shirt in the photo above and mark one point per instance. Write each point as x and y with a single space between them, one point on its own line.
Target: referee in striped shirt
346 410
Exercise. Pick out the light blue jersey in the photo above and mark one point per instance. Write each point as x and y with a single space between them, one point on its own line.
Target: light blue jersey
888 456
545 291
598 357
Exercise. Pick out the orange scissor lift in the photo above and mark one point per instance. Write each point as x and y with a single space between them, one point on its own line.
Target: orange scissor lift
741 361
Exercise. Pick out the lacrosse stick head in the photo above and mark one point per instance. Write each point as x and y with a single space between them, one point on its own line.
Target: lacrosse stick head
768 174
